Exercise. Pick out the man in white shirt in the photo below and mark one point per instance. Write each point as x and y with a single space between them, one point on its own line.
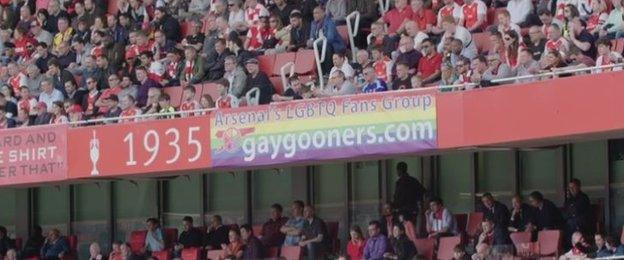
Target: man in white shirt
340 63
519 10
451 30
49 94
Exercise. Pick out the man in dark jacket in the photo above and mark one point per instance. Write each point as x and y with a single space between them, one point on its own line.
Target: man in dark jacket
55 246
577 210
216 61
299 33
494 210
409 192
547 215
167 24
217 234
257 79
33 245
190 237
253 246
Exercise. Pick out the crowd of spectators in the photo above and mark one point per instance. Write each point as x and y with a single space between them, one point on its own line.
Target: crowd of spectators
72 60
393 236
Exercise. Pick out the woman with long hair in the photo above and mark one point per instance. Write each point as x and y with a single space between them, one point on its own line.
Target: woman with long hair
59 116
357 242
598 17
512 47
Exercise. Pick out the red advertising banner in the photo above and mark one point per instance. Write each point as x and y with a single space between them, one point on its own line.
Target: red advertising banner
33 155
146 147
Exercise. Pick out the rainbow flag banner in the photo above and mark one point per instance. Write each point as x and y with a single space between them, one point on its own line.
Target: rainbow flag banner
320 129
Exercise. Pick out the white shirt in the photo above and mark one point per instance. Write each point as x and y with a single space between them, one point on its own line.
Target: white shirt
418 39
49 99
346 69
457 13
461 33
519 9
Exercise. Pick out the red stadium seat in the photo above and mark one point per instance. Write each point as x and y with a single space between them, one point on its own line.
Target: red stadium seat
198 92
461 220
617 45
176 95
257 230
622 236
215 255
410 230
185 28
305 62
482 41
211 89
425 247
272 252
521 240
265 63
332 231
171 237
112 7
344 33
549 242
191 254
277 84
280 60
447 244
474 224
19 243
291 252
72 240
162 255
137 240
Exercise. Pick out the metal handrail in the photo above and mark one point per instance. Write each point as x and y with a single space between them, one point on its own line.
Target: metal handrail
352 30
253 101
440 88
320 58
369 38
558 71
283 69
384 6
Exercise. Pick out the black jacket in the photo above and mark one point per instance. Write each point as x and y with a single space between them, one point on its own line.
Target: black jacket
262 82
578 212
408 193
520 219
499 214
299 36
216 237
403 248
548 217
191 238
170 26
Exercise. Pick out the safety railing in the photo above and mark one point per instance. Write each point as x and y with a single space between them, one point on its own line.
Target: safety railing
560 71
610 257
254 100
284 76
319 55
384 5
253 97
353 29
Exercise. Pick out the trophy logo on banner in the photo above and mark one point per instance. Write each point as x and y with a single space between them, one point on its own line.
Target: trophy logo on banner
94 153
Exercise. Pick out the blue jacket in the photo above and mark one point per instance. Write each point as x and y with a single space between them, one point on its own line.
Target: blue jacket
53 250
328 27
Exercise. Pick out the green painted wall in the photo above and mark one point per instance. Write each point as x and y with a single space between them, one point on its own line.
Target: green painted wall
455 182
52 207
91 213
271 186
7 209
134 203
227 196
182 198
538 171
495 174
365 188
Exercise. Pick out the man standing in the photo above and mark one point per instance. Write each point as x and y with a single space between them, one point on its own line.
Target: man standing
409 192
577 210
271 235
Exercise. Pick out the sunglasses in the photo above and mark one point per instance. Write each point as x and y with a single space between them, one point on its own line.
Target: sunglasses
507 38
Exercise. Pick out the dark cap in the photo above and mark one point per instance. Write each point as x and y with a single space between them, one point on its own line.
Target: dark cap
252 60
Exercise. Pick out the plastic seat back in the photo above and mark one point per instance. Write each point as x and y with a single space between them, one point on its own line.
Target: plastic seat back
549 242
473 226
290 252
425 247
447 244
